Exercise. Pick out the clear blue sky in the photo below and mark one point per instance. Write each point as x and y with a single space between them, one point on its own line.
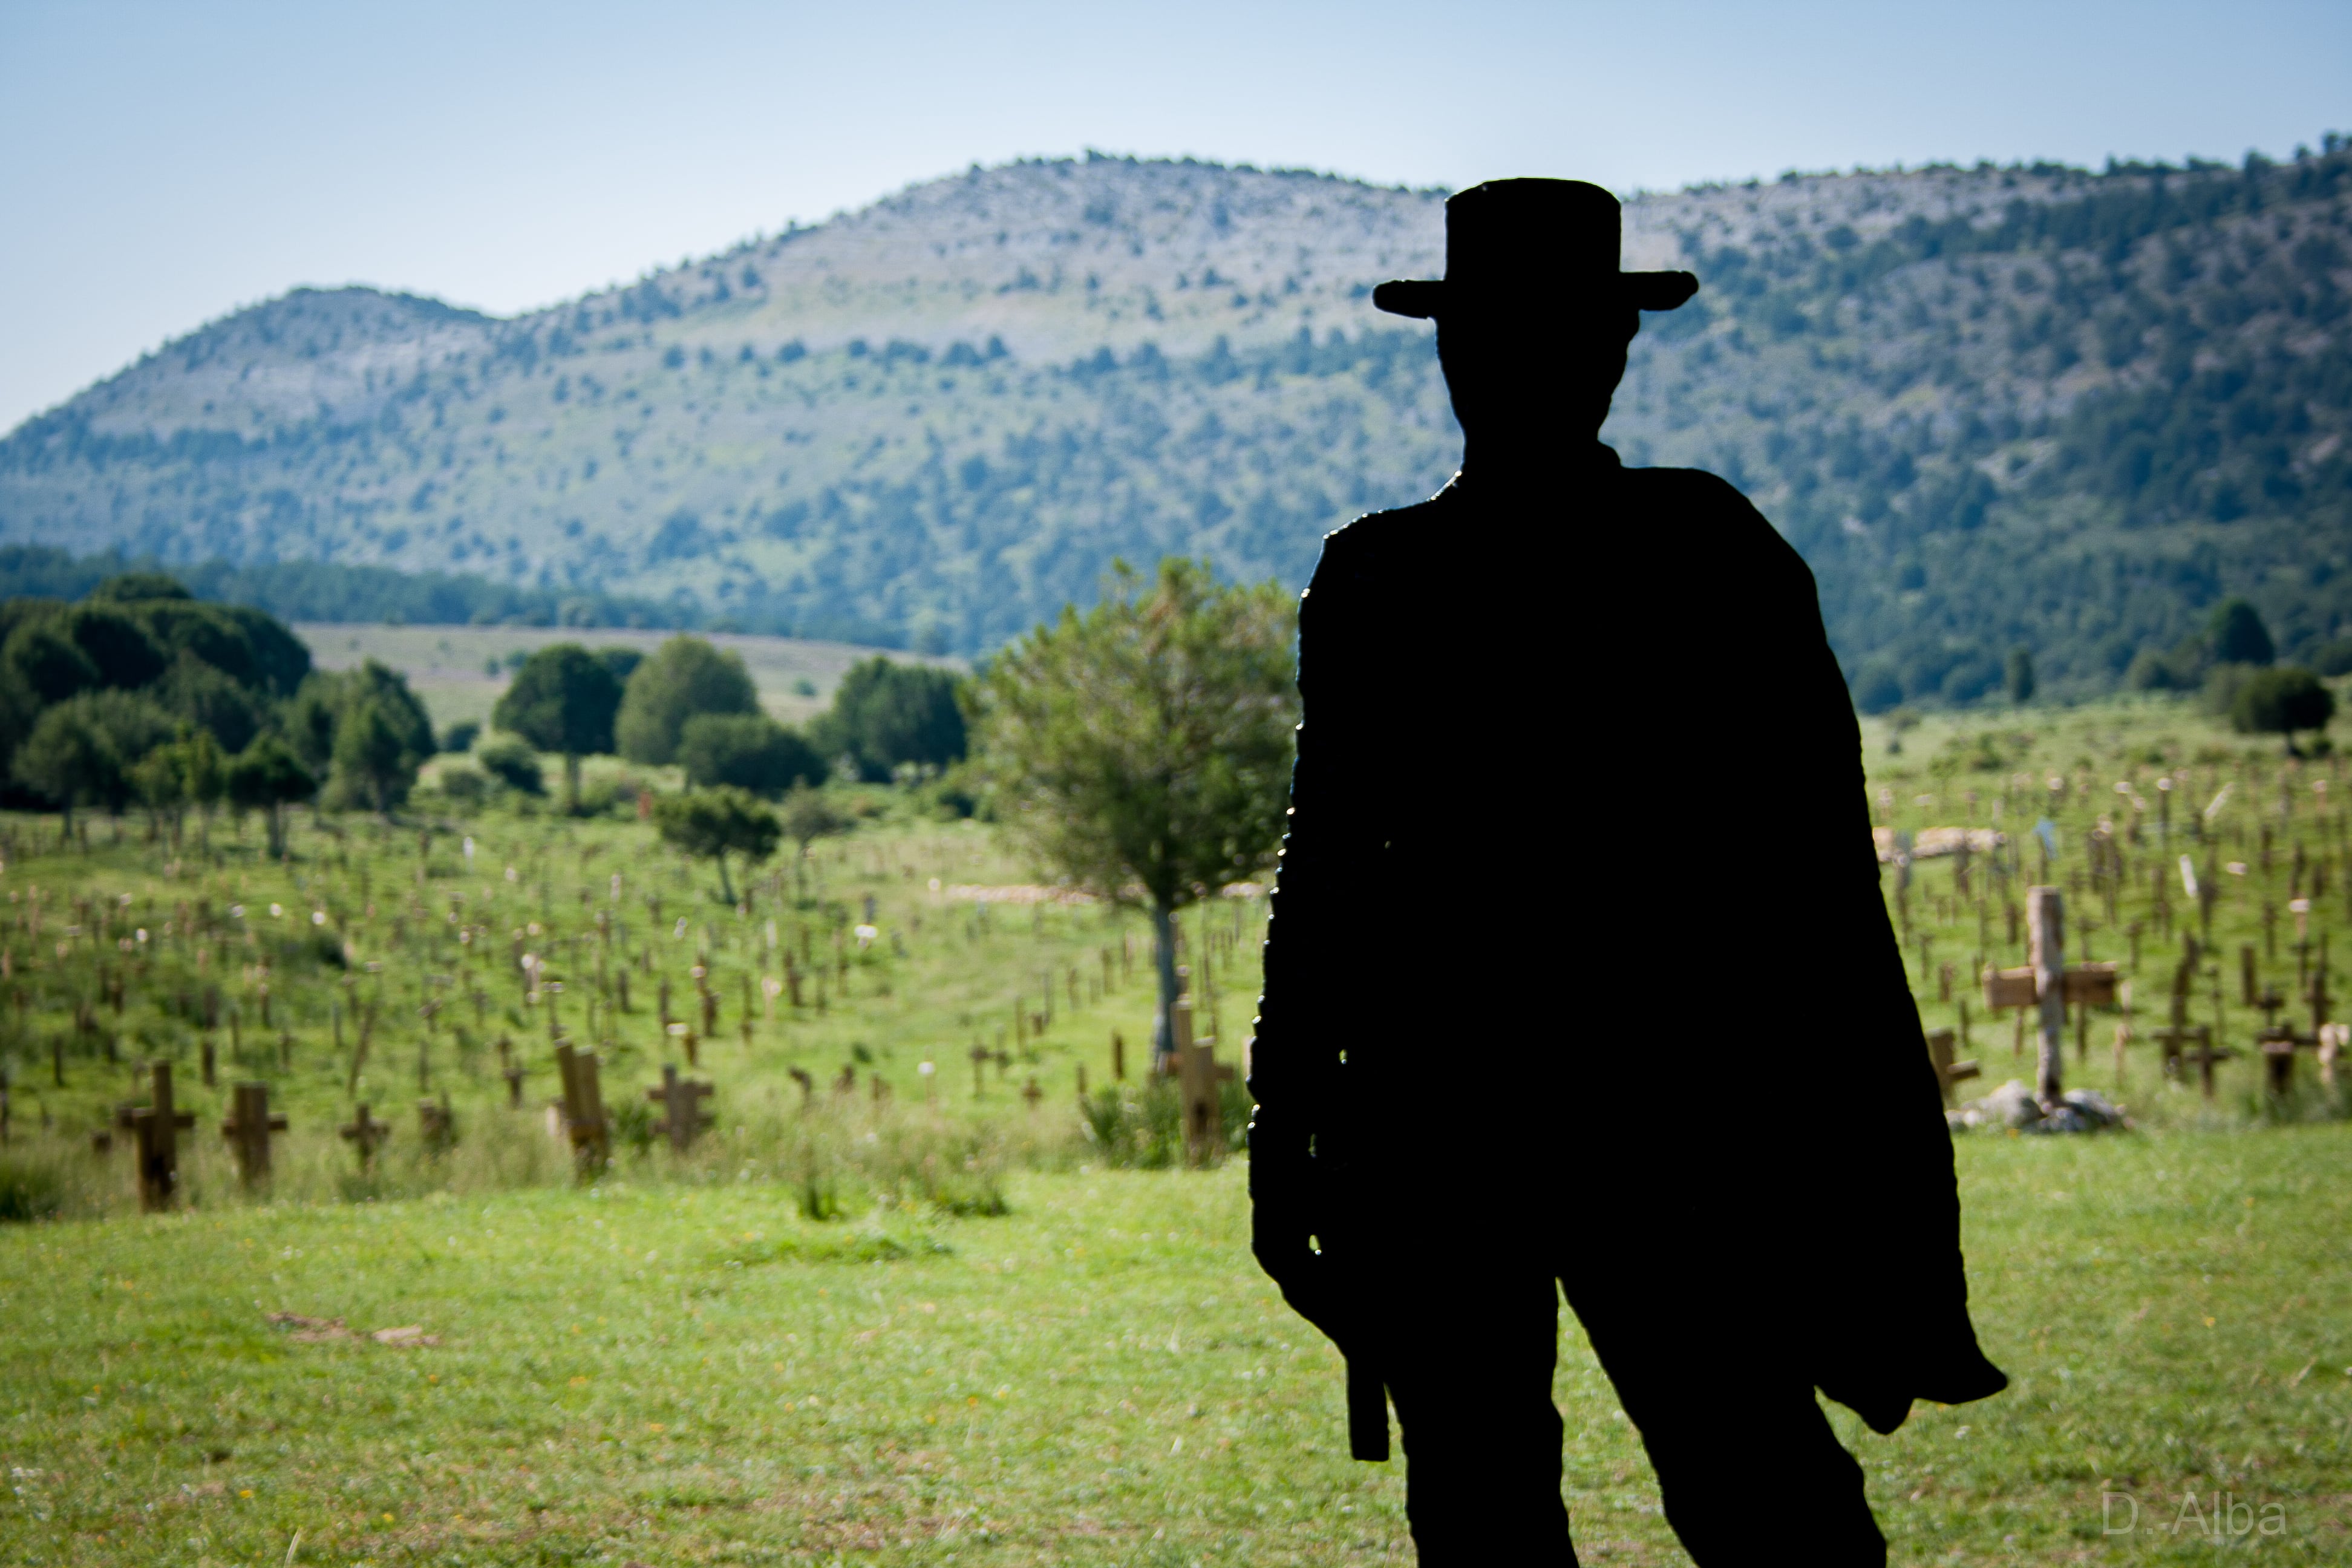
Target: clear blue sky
166 163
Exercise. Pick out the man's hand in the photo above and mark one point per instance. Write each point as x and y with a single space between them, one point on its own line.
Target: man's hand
1282 1223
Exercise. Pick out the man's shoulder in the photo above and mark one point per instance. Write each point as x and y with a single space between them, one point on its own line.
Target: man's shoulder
1377 541
1714 506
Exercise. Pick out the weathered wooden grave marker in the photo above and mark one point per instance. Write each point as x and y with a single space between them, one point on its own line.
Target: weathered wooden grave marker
2045 913
1198 1075
1947 1071
583 1108
2206 1054
247 1130
437 1124
682 1100
510 1070
364 1133
156 1128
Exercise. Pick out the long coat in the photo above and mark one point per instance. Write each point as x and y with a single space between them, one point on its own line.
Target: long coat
1577 938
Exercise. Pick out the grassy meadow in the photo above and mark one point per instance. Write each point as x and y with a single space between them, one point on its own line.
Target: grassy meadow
930 1324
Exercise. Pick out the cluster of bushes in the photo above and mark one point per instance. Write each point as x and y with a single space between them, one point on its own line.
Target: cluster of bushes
692 705
2232 663
139 695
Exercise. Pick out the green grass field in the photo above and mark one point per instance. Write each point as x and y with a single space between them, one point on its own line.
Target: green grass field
670 1374
1004 1347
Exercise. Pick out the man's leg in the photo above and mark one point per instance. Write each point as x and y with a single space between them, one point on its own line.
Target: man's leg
1469 1360
1747 1466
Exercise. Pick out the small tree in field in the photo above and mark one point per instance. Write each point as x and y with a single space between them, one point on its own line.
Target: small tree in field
1144 747
2281 700
809 816
712 824
267 777
563 700
370 758
157 780
67 759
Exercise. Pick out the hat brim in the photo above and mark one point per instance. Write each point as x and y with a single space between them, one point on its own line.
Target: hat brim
1423 298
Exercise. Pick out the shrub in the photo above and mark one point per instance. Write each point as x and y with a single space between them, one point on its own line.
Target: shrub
749 751
28 1192
515 766
2279 702
460 737
468 786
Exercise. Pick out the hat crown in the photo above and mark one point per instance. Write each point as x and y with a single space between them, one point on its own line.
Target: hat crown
1534 227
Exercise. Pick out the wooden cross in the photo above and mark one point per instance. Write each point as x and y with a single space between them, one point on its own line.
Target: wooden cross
583 1108
1032 1093
158 1125
681 1102
249 1123
2206 1055
1947 1071
847 1082
365 1133
512 1071
1198 1076
980 1056
808 1085
436 1123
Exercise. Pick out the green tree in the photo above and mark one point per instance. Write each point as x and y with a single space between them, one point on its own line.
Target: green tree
1143 749
327 703
749 751
2238 634
125 656
684 677
81 751
47 663
885 715
373 765
563 699
267 777
2280 701
195 691
161 787
2017 675
712 824
206 779
809 814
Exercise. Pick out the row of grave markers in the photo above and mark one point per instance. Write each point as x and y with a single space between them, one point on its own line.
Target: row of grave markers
2047 987
154 1128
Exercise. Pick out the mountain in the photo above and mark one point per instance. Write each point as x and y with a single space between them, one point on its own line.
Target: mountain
1994 406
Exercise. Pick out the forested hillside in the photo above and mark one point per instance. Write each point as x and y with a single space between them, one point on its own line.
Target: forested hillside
1994 407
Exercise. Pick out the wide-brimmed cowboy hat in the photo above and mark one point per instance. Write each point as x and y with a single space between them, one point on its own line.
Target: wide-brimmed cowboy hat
1511 240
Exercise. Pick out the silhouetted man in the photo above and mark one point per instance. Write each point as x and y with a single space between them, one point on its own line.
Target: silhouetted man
1580 976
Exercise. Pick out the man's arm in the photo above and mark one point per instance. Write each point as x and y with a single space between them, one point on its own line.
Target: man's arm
1313 946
